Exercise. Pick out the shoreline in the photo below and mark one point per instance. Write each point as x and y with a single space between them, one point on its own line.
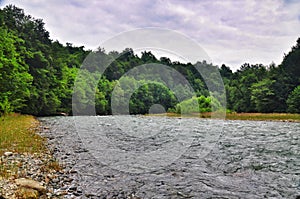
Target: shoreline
30 169
269 117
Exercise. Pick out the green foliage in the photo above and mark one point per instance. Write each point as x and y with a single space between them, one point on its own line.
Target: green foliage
36 75
200 104
151 93
5 106
291 65
263 96
103 96
239 88
293 101
14 77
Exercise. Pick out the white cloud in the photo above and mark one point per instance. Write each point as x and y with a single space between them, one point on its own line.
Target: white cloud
232 32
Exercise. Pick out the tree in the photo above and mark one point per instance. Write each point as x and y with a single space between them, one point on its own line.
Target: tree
151 93
165 61
240 87
15 81
148 57
291 64
225 71
293 101
263 96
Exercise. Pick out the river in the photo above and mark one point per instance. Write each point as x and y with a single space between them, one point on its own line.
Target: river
160 157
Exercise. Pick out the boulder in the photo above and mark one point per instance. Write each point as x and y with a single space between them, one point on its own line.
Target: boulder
31 184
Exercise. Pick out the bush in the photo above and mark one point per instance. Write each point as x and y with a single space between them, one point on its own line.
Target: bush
200 104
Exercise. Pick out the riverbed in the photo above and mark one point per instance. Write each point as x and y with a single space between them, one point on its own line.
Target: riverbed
161 157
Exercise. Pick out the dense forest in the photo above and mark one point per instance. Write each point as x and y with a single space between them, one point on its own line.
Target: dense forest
37 76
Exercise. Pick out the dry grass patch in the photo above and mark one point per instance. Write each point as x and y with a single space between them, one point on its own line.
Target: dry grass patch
51 165
264 116
18 134
286 117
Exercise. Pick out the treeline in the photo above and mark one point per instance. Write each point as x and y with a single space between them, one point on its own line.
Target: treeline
258 88
37 76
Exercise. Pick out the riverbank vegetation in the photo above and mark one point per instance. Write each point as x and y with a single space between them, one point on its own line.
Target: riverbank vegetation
25 162
281 117
38 77
18 134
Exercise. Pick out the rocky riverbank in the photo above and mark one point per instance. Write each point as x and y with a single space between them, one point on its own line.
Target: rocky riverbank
36 175
32 176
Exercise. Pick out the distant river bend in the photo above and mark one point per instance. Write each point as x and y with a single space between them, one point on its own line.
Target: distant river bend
158 157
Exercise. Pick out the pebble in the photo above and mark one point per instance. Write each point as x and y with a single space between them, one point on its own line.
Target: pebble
61 192
73 188
68 180
77 193
8 153
72 171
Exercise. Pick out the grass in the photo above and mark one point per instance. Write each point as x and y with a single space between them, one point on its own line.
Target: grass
287 117
8 170
18 134
51 165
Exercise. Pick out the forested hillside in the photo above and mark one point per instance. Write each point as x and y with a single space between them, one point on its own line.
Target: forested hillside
37 76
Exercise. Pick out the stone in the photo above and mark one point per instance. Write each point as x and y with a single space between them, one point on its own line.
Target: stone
77 193
8 153
72 188
68 180
55 180
31 184
72 171
64 188
61 193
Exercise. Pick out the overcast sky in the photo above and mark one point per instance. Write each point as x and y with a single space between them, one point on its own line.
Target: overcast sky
230 31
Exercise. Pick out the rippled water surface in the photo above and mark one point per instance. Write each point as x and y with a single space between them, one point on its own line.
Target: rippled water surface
158 157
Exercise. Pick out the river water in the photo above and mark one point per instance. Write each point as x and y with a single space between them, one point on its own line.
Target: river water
160 157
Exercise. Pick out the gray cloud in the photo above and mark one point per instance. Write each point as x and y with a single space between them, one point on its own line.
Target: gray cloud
232 32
